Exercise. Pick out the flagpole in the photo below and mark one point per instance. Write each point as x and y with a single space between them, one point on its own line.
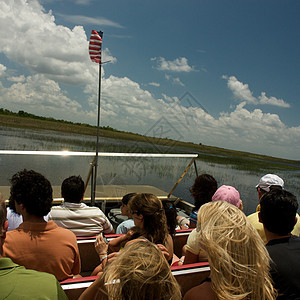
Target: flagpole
97 143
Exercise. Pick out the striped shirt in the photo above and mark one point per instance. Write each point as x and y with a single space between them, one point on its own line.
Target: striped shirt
83 220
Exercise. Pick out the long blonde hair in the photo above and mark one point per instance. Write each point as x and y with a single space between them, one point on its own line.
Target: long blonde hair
238 259
140 272
155 221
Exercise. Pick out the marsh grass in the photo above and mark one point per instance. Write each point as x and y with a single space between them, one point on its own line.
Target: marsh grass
250 162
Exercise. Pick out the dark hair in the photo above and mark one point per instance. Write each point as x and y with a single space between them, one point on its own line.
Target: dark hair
2 213
278 210
272 188
32 190
203 189
155 222
127 197
171 214
72 189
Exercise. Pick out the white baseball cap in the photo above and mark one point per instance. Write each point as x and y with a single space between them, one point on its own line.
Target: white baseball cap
269 180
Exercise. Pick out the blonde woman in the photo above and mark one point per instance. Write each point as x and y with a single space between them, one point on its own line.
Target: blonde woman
238 260
140 271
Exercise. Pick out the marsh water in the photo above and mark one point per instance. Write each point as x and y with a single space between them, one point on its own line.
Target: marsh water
121 171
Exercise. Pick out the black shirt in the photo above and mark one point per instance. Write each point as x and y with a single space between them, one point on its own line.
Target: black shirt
285 268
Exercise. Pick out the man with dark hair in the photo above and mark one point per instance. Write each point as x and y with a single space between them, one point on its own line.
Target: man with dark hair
20 283
267 183
278 210
37 244
76 216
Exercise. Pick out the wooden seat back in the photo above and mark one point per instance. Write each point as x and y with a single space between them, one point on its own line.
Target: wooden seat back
90 259
187 276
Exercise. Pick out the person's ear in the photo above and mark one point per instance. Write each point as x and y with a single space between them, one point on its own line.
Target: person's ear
241 206
140 217
259 217
5 226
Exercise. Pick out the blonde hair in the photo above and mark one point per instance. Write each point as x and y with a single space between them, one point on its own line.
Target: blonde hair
155 221
238 259
140 272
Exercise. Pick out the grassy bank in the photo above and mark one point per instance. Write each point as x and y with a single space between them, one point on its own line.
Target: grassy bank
238 159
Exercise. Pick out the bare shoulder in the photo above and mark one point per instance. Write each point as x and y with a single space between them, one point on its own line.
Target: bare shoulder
201 292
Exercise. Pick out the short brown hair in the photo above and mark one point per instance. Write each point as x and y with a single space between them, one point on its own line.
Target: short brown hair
2 213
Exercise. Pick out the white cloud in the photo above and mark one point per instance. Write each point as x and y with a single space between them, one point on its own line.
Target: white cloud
57 55
242 92
177 80
36 42
83 2
174 80
154 84
2 69
20 78
263 99
83 20
177 65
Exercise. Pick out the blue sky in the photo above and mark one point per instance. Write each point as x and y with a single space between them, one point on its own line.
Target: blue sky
220 73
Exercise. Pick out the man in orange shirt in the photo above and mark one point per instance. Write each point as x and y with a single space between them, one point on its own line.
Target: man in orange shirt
20 283
37 244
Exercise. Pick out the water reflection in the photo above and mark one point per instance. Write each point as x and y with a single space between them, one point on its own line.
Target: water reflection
162 173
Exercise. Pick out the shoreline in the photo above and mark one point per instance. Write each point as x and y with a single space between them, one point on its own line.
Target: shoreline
238 159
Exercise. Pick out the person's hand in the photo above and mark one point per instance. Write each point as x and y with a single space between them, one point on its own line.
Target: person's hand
112 257
165 251
100 245
129 234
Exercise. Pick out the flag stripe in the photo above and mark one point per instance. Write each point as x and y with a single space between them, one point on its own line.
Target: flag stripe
95 46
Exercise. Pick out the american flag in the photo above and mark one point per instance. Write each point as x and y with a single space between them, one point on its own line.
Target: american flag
95 46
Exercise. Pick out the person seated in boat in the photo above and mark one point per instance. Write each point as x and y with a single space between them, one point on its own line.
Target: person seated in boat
202 191
37 244
15 220
266 184
20 283
150 219
171 215
238 259
174 221
76 216
148 214
193 251
278 210
127 224
139 272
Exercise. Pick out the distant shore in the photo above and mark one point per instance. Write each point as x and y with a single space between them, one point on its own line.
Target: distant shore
238 159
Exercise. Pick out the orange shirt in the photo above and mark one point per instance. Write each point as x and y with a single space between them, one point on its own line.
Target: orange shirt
44 247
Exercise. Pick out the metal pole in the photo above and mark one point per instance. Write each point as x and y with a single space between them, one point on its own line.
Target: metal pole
97 144
196 170
181 177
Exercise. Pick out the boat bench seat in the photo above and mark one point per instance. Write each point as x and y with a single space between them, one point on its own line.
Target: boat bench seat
90 259
187 276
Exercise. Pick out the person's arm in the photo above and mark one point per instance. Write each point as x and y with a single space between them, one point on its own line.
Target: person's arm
110 258
190 258
93 290
101 248
115 244
170 247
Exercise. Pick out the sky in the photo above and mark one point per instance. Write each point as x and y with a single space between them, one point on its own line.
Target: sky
215 72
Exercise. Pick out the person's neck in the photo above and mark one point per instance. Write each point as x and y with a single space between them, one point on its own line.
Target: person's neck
33 219
274 236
